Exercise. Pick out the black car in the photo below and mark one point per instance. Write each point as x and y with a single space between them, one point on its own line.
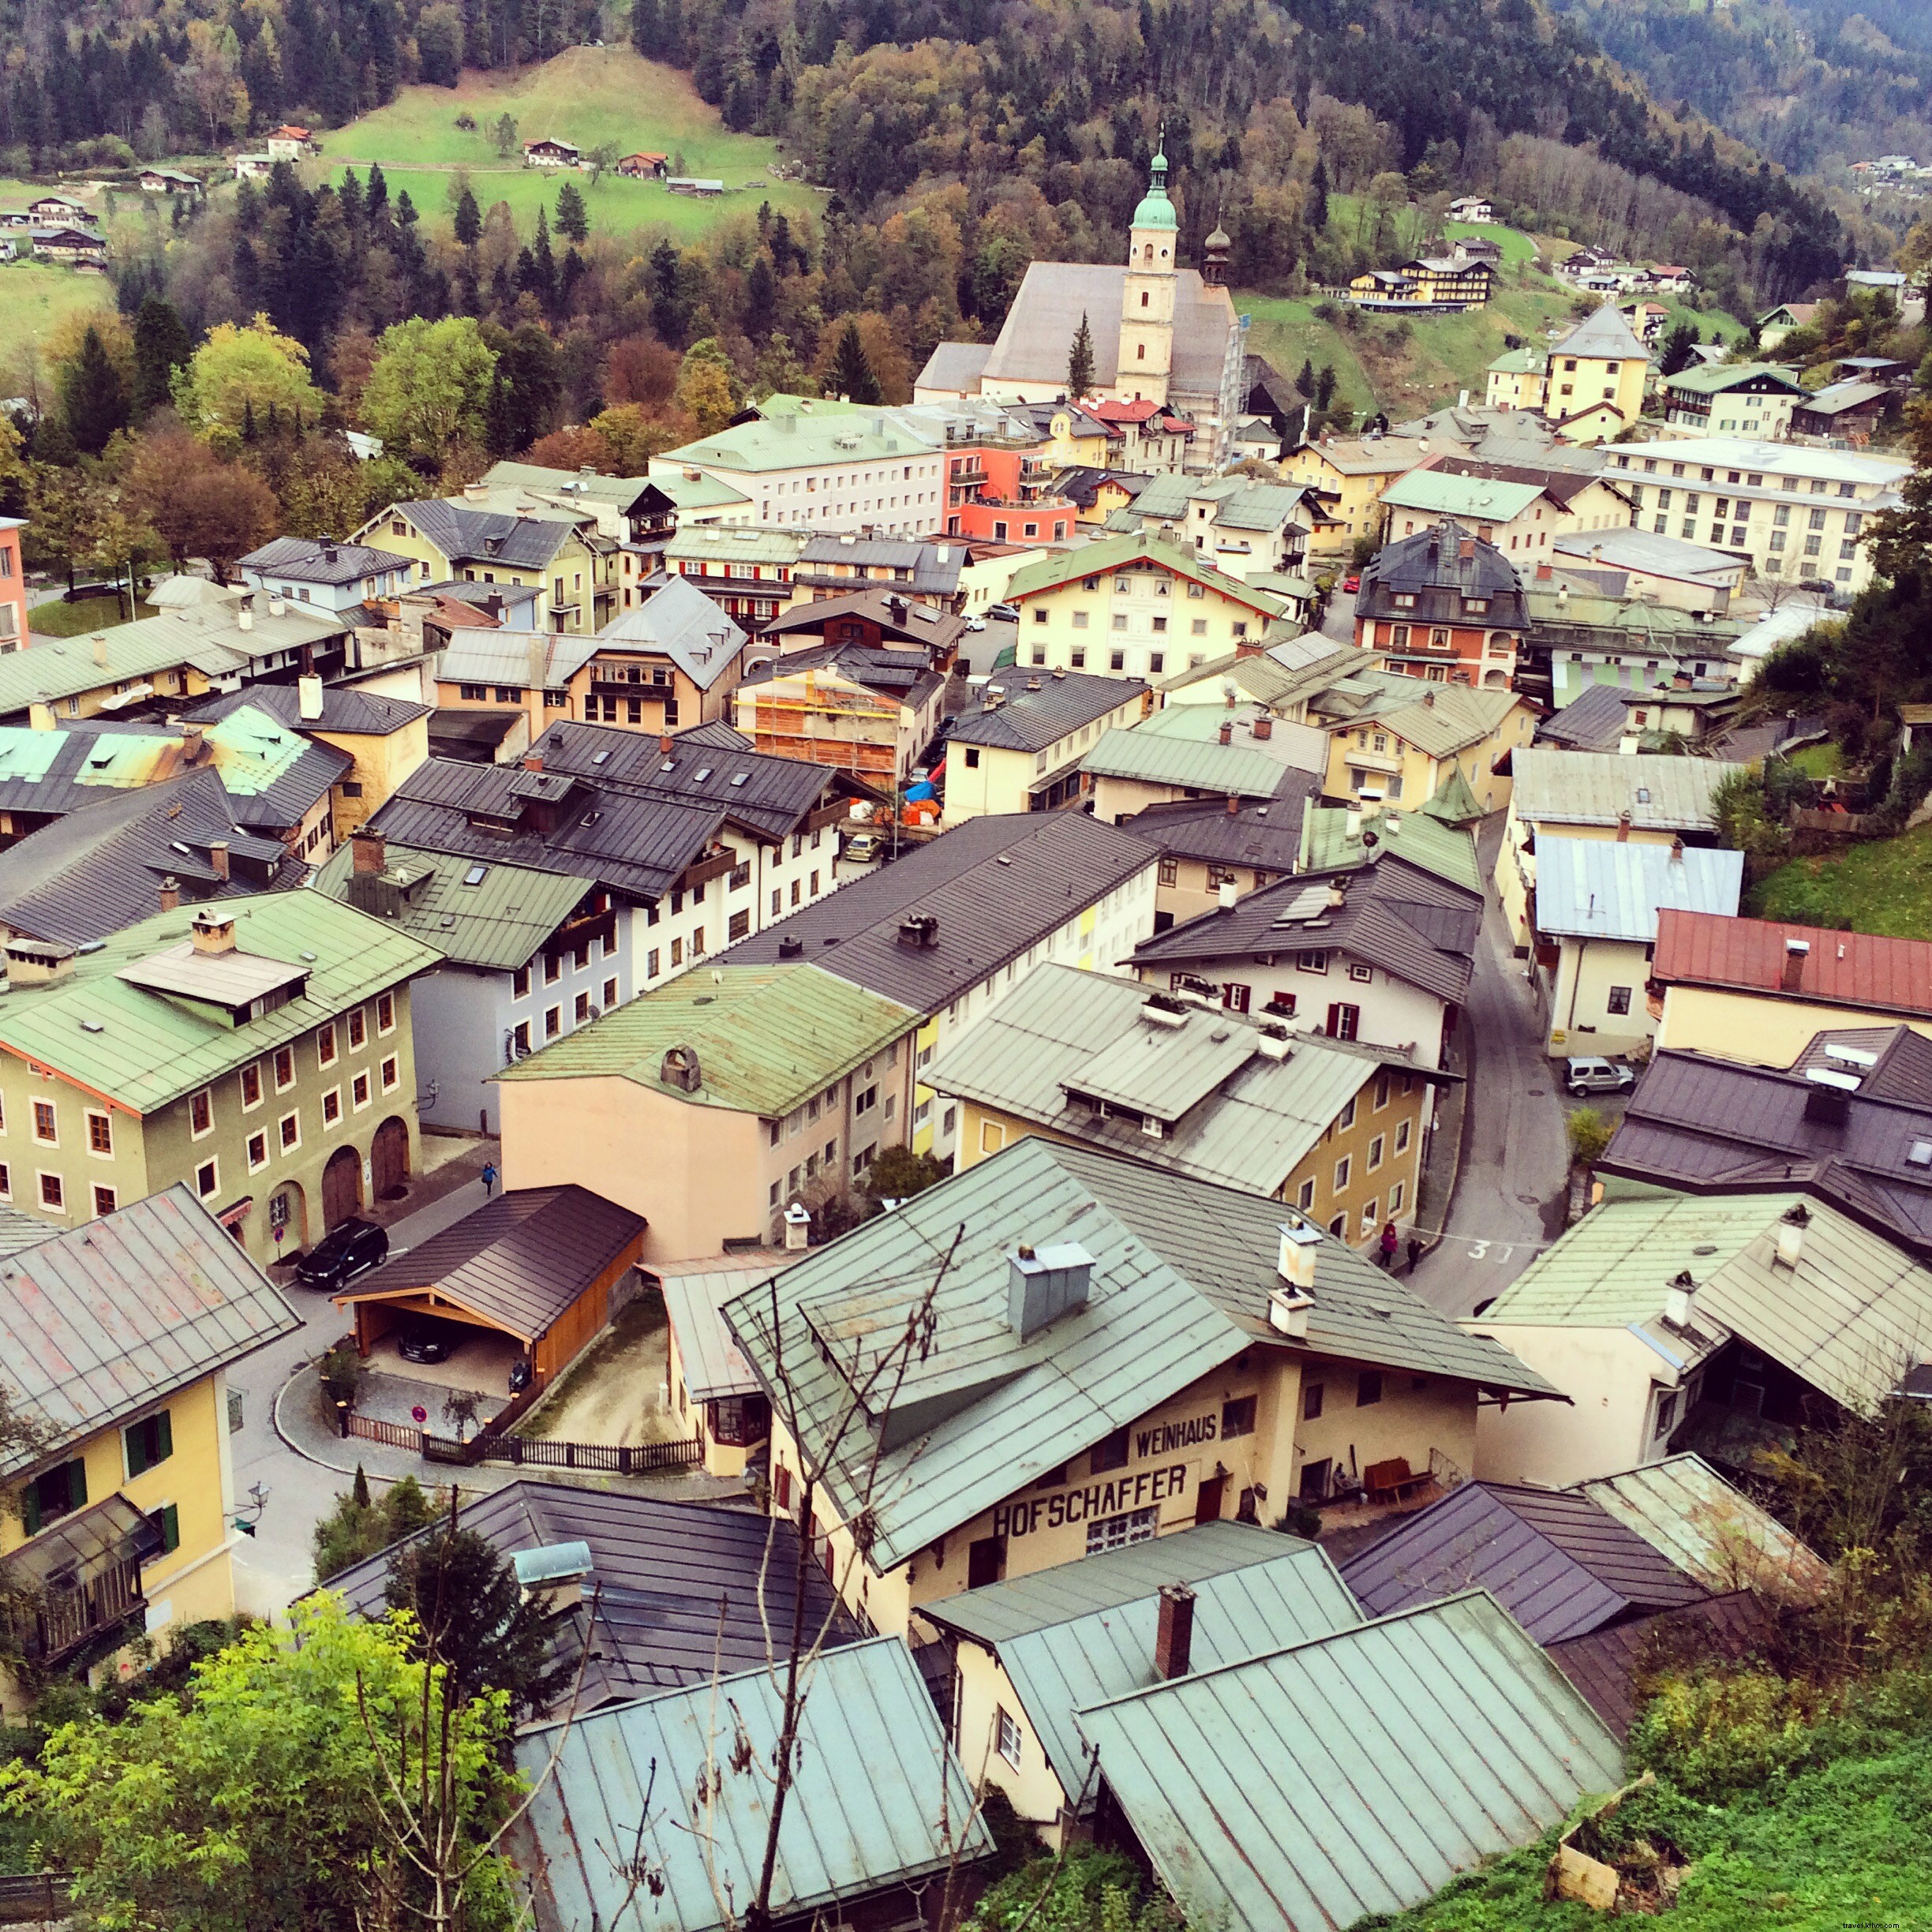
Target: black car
425 1342
349 1248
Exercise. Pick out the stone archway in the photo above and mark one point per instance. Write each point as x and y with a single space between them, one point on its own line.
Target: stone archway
342 1187
389 1159
288 1210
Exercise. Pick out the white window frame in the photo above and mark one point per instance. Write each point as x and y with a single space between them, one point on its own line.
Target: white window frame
284 1144
89 1116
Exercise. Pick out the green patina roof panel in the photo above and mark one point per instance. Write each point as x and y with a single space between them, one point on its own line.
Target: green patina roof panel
767 1037
1114 553
1357 1772
1332 840
1477 498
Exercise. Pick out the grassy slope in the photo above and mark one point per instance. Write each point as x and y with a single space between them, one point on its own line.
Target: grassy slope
1884 887
587 94
1441 355
34 295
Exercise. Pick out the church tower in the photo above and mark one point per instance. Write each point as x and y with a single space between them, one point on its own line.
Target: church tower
1147 297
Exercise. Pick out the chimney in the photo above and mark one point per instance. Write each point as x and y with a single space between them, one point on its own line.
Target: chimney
1796 953
191 743
537 675
1173 1635
1679 1299
664 744
1676 851
1294 1259
1248 647
797 1224
1227 733
329 553
171 893
33 962
1044 1283
369 851
533 760
1225 896
218 857
100 642
475 493
245 618
1623 825
211 932
1466 550
1234 804
308 699
1264 727
1791 1235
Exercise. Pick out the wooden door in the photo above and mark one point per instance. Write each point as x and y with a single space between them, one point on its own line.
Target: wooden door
1207 1500
342 1187
389 1159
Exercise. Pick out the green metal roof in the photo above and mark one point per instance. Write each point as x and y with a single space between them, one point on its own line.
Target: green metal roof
724 543
799 441
700 493
1156 211
1853 1310
1331 841
1446 719
874 1786
145 1049
1083 1632
1115 553
499 921
1477 498
767 1037
1453 802
1523 362
1555 789
1714 378
1182 1272
1357 1773
1201 764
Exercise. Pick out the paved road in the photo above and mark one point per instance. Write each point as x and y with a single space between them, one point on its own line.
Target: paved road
1509 1198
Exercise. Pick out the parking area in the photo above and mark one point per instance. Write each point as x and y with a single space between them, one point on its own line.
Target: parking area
479 1359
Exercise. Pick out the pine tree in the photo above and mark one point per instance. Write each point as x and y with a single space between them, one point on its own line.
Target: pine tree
1081 360
1677 348
1318 197
573 218
161 346
646 30
377 200
852 371
545 263
499 419
94 399
1304 382
469 218
1325 386
761 299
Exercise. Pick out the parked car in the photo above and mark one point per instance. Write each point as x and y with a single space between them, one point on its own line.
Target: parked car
1585 1075
862 847
1352 581
1006 613
975 624
349 1248
425 1342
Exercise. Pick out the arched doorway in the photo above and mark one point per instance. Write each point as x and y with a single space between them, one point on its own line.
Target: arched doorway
342 1186
389 1159
288 1217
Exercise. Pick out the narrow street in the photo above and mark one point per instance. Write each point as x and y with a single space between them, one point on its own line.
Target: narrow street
1515 1161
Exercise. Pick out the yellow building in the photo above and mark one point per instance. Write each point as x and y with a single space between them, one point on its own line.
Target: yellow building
1356 470
1403 751
123 1516
1076 441
1135 607
1019 749
1116 1389
1590 384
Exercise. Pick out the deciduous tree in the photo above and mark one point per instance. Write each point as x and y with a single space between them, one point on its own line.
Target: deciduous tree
428 387
243 367
705 390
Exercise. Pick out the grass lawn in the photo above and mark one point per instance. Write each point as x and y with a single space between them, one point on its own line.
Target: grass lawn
1819 761
82 618
34 295
587 95
1884 887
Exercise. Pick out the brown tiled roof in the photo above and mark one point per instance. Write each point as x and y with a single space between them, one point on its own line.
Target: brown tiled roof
1843 968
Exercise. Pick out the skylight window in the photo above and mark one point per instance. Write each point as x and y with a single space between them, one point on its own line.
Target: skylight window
703 773
1920 1155
476 875
599 757
738 778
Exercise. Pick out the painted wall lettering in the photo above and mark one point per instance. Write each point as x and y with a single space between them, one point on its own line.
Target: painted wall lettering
1165 1438
1100 1499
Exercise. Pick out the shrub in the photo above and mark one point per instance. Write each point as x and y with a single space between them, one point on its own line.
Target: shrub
1590 1135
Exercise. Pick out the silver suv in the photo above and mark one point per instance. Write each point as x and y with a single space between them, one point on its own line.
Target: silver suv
1586 1076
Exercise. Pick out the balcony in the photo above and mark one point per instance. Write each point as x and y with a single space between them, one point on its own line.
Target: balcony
80 1579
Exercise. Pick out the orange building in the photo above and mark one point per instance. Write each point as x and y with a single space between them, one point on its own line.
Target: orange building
12 587
997 493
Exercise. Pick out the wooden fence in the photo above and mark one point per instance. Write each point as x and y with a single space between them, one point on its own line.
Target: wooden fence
34 1898
492 1444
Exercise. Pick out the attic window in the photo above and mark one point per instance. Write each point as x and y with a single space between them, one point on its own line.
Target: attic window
476 875
1920 1155
1643 794
703 773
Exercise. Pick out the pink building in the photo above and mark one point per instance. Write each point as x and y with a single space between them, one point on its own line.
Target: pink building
12 587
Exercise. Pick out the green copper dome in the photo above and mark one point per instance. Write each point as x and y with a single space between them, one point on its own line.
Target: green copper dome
1155 210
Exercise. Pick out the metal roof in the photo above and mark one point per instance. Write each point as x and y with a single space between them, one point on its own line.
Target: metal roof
1062 1039
1854 1309
518 1261
1558 1562
1661 794
1446 719
1267 836
694 1299
100 1321
1408 920
1634 550
954 365
875 1786
767 1037
1603 888
145 1049
800 442
1356 1772
1182 1271
677 1584
477 654
1594 720
1441 492
1340 838
1714 378
346 708
1251 1586
1038 709
1196 764
499 921
680 623
998 885
317 560
465 533
1118 553
1749 956
1606 334
1771 460
1614 1668
1711 1530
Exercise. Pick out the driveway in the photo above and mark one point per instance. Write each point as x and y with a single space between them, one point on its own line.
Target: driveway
1509 1198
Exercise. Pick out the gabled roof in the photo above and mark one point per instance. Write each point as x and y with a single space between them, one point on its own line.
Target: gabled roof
935 567
1595 719
800 442
875 1786
766 1038
1749 956
1388 456
1230 1113
680 1587
1117 553
500 922
955 366
1182 1275
465 533
1442 493
1191 757
1083 1632
1838 396
346 708
518 1262
1266 836
733 543
679 622
619 493
515 658
99 1322
1600 889
1606 334
1562 483
1338 838
906 677
1614 1667
1410 922
1038 709
1661 794
143 1049
1559 1563
316 560
1849 1319
1444 720
695 1294
894 610
996 886
1357 1773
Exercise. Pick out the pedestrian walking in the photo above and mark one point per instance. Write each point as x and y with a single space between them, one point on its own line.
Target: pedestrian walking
1415 1252
488 1178
1390 1243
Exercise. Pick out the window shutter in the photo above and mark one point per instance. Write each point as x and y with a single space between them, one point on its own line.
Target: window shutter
170 1528
135 1436
77 1483
30 1509
164 1436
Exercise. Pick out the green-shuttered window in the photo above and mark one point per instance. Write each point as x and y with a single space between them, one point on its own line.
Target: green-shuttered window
51 1496
149 1441
167 1520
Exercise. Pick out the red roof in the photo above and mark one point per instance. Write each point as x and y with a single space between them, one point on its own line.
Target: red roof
1122 412
1841 968
290 131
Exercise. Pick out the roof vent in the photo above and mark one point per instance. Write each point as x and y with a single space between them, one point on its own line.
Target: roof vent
790 948
920 930
1791 1234
679 1069
1042 1284
1294 1262
1163 1010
